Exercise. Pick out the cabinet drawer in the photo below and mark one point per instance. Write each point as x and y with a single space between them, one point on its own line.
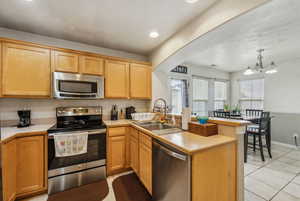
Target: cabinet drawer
135 133
145 139
117 131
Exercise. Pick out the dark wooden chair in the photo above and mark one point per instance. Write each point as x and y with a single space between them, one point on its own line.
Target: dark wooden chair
254 113
257 132
222 114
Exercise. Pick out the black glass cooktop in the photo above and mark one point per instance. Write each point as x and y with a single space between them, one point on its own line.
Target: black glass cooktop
75 123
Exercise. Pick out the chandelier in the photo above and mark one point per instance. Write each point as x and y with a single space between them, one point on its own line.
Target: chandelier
260 68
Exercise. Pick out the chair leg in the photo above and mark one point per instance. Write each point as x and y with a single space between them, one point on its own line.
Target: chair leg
261 148
245 147
268 145
254 143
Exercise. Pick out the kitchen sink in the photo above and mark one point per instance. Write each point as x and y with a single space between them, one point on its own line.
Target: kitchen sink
158 128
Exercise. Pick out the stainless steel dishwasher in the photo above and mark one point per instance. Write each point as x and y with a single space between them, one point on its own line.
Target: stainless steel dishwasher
171 174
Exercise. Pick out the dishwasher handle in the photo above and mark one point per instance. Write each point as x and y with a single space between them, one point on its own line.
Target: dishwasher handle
171 153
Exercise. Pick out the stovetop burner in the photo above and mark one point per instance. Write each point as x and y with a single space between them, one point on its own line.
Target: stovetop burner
68 119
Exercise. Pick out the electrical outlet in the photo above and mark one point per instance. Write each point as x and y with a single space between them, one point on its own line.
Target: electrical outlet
296 137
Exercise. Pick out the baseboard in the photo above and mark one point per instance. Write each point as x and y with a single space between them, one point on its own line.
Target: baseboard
285 145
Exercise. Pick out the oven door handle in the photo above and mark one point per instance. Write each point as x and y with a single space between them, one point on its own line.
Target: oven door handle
89 132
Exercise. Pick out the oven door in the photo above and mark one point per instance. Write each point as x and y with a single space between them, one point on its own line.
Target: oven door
95 156
77 86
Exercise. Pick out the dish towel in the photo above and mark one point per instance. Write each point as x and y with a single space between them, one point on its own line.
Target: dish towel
70 144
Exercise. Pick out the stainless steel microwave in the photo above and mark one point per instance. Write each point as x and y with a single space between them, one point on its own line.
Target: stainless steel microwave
77 86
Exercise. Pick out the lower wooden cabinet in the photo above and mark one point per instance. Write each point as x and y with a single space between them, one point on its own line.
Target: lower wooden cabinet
127 147
24 167
117 153
31 164
9 170
134 152
145 161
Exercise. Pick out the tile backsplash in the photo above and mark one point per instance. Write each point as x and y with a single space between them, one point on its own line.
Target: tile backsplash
45 108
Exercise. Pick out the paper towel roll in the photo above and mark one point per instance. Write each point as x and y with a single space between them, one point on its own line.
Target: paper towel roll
186 118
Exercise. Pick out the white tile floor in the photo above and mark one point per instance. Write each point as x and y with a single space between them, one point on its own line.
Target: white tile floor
277 179
274 180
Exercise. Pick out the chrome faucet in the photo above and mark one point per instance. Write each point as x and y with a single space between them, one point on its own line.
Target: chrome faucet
162 108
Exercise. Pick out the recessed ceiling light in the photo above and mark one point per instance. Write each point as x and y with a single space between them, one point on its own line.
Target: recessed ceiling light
29 0
154 34
191 1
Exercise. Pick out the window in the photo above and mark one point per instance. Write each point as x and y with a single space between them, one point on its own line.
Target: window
252 94
200 96
220 94
179 95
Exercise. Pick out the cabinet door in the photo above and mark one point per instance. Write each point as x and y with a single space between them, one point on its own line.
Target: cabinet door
30 164
146 166
65 62
134 154
116 79
26 70
9 170
116 153
140 81
91 65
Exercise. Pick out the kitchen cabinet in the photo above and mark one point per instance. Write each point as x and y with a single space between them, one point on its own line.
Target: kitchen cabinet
134 150
140 81
1 68
91 65
117 153
116 79
25 71
65 62
145 161
24 166
30 164
117 149
9 170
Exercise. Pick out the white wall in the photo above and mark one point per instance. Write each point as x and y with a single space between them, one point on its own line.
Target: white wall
44 40
160 85
282 92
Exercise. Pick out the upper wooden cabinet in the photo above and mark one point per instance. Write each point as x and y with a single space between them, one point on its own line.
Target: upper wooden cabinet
31 164
91 65
116 79
65 62
25 71
140 81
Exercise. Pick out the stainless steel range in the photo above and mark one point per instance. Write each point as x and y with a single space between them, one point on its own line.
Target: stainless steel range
72 171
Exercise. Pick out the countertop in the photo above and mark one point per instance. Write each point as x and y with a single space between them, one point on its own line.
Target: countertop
184 141
8 132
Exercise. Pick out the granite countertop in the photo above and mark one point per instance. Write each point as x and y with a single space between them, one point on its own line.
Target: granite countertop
8 132
184 141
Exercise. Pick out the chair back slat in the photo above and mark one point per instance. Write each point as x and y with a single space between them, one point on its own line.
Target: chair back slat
264 122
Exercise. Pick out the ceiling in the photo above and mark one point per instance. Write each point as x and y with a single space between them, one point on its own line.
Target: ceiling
274 27
116 24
